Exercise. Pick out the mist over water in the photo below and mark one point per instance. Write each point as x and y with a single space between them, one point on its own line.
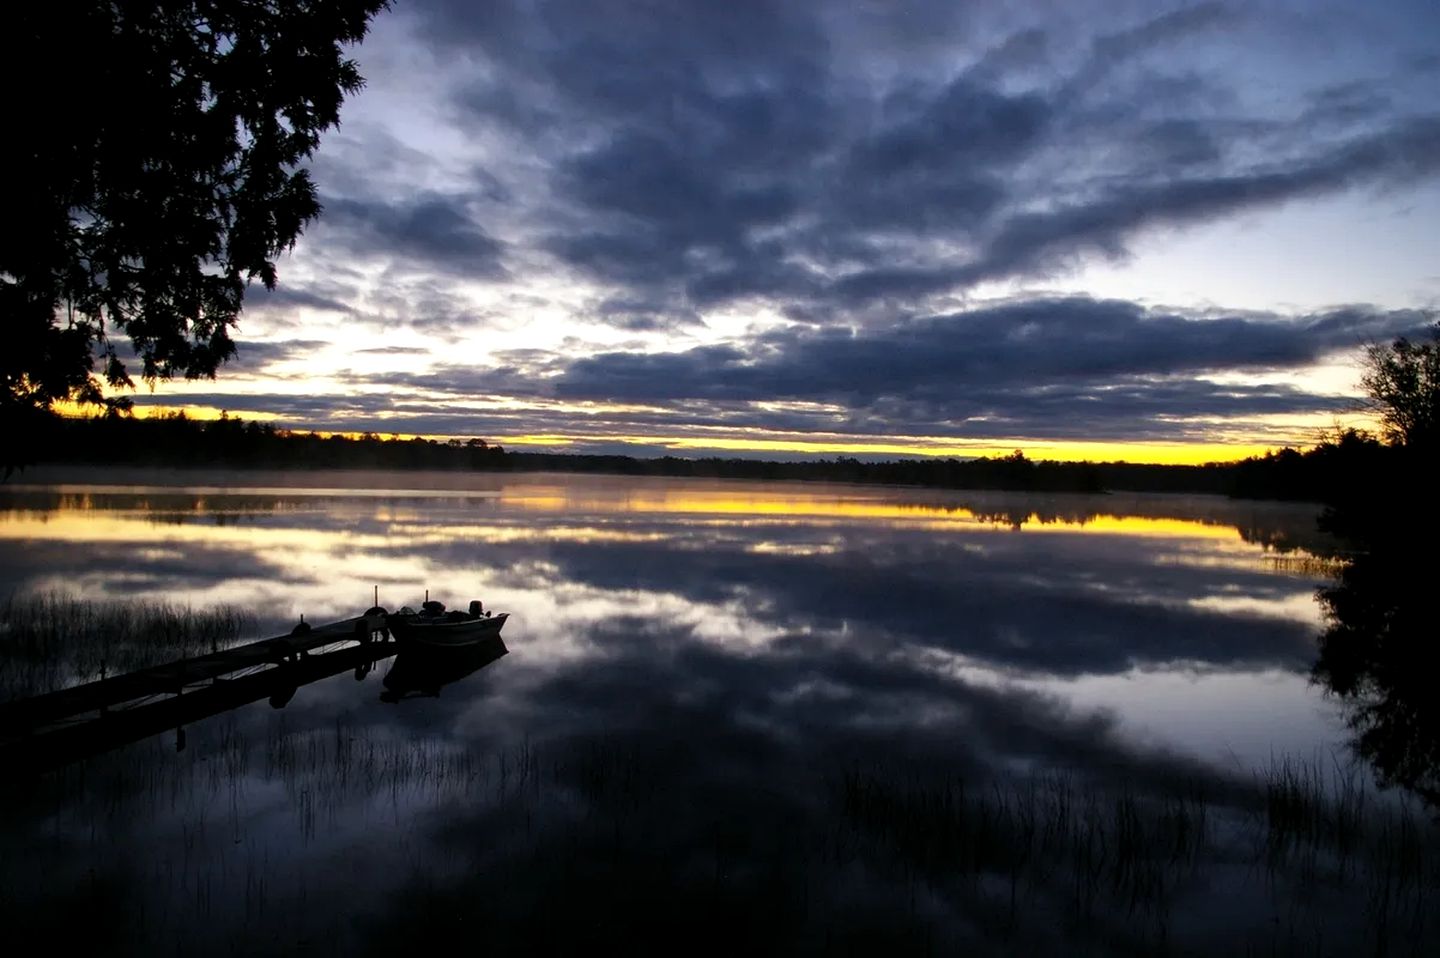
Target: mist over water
741 703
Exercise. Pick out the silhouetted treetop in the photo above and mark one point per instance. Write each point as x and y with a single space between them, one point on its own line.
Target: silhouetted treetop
152 173
1402 381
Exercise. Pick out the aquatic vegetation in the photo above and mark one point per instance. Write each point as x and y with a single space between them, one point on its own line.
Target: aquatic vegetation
53 640
639 839
812 731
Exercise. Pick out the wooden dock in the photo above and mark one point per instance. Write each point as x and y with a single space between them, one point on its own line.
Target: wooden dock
54 746
28 716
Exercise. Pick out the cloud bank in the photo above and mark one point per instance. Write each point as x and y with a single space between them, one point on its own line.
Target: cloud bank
714 209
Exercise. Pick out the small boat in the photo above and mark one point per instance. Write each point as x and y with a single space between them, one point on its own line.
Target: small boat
433 626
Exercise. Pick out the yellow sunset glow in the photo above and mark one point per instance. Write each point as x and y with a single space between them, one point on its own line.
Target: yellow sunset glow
78 520
1176 453
1060 451
67 407
726 503
1225 441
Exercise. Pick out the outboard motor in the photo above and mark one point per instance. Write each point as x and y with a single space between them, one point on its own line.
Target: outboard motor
431 607
475 608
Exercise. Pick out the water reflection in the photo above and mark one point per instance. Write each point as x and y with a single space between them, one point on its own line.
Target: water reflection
1149 583
1378 653
420 672
800 719
25 749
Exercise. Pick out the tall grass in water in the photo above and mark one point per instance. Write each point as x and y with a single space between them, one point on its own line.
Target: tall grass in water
1323 828
1004 845
1307 839
52 640
620 829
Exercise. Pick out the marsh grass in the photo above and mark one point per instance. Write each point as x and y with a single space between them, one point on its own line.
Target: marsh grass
638 841
1324 829
49 641
1011 849
1319 567
1310 836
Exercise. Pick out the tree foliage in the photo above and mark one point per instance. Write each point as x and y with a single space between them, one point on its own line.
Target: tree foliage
1377 654
1402 380
152 173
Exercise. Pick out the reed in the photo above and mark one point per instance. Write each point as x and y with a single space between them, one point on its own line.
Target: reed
53 640
1086 853
1052 863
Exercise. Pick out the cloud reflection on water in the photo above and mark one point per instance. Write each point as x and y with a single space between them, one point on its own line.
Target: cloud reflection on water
1087 585
735 638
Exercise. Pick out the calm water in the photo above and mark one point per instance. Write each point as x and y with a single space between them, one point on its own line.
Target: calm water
711 689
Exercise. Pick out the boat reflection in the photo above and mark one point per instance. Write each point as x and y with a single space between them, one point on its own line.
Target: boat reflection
420 671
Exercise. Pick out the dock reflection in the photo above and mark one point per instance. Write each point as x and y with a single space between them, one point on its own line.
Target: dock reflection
34 749
415 673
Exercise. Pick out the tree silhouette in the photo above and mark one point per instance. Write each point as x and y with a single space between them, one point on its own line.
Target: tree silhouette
1402 381
1379 653
153 173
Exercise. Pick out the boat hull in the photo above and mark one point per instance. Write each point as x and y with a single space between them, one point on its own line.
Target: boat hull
441 633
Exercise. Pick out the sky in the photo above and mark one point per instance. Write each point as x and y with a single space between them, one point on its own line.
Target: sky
1159 232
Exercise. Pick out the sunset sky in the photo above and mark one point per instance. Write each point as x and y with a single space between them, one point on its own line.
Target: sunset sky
1084 230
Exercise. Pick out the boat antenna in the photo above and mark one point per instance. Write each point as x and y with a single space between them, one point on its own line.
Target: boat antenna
377 596
427 595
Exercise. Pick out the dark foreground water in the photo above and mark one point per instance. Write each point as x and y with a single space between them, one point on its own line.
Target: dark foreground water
775 718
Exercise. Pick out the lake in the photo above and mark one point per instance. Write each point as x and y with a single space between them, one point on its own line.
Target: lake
780 717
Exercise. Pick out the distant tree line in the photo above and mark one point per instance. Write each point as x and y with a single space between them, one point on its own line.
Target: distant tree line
1358 475
1008 472
176 440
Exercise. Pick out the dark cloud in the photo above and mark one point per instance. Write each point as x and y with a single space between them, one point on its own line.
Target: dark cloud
328 297
721 157
254 356
1110 50
1357 100
432 230
1067 368
421 301
394 351
671 170
1039 244
638 314
1031 343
